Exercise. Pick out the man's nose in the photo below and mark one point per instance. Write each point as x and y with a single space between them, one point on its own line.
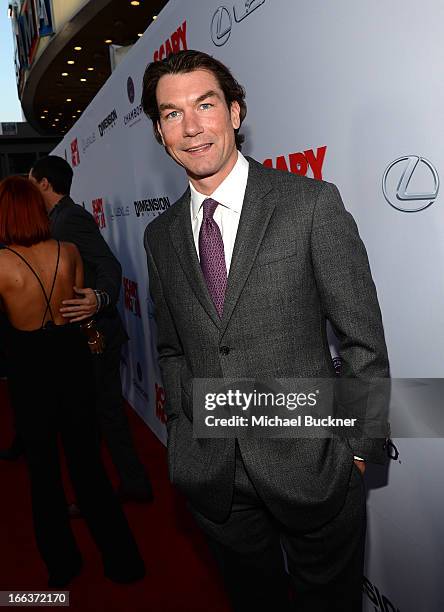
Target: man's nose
191 124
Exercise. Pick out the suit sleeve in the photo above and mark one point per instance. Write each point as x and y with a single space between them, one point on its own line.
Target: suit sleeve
169 347
81 229
349 300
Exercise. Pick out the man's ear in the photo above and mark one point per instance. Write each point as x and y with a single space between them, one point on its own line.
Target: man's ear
235 115
159 129
45 185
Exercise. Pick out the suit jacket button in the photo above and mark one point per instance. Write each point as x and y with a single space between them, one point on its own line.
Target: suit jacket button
224 350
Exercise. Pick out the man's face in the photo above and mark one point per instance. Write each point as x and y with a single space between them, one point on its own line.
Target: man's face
196 126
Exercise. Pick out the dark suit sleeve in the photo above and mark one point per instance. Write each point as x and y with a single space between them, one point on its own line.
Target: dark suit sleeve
169 346
80 228
349 299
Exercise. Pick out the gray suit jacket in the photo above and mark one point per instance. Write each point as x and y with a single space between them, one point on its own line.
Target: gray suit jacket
298 260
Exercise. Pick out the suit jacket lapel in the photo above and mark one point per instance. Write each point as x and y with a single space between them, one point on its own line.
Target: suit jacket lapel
183 241
257 208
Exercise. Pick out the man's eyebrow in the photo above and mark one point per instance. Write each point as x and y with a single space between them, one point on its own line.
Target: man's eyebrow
167 106
209 94
170 106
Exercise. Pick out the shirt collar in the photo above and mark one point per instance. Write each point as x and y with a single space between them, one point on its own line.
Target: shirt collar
230 192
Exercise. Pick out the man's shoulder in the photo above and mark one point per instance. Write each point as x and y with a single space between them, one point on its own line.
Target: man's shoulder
288 188
72 223
69 208
161 223
68 213
285 180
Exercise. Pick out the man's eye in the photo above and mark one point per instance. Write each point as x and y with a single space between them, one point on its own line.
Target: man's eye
206 106
172 115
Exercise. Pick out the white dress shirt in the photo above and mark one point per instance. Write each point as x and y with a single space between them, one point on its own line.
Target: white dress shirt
230 195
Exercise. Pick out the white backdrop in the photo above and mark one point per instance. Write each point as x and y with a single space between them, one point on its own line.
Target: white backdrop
337 90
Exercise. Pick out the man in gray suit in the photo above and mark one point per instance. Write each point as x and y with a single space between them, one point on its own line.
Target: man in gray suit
244 270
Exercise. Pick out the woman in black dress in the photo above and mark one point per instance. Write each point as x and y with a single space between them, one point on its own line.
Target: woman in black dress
52 390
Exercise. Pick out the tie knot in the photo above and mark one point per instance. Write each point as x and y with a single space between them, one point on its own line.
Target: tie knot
209 206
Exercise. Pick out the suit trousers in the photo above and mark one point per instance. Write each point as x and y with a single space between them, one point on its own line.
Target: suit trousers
263 563
113 421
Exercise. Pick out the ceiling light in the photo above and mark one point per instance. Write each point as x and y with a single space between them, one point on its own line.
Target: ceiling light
135 3
77 48
60 114
90 69
78 110
65 73
154 16
139 35
108 41
45 111
42 116
68 100
74 116
83 80
53 124
56 119
70 62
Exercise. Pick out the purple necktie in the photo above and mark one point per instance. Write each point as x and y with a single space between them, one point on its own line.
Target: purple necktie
212 255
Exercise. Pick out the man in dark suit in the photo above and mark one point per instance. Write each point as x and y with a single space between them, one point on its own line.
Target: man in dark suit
102 279
245 269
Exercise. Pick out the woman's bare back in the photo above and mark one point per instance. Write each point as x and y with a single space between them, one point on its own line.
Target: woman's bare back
21 296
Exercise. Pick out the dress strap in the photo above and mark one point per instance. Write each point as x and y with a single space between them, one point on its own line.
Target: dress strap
48 300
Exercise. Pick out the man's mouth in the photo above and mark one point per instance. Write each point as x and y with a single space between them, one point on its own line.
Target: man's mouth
199 149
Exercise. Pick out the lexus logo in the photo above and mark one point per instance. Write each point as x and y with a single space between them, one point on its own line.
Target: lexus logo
391 450
221 23
396 180
221 26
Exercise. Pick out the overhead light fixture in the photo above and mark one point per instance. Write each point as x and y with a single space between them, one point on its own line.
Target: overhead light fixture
60 114
74 116
68 100
135 3
45 111
90 69
154 17
77 48
78 110
42 116
65 73
139 35
56 119
108 41
70 62
83 80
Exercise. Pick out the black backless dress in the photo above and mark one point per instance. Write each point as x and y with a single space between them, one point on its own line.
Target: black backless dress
52 391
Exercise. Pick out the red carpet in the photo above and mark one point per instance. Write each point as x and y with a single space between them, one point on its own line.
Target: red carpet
181 575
